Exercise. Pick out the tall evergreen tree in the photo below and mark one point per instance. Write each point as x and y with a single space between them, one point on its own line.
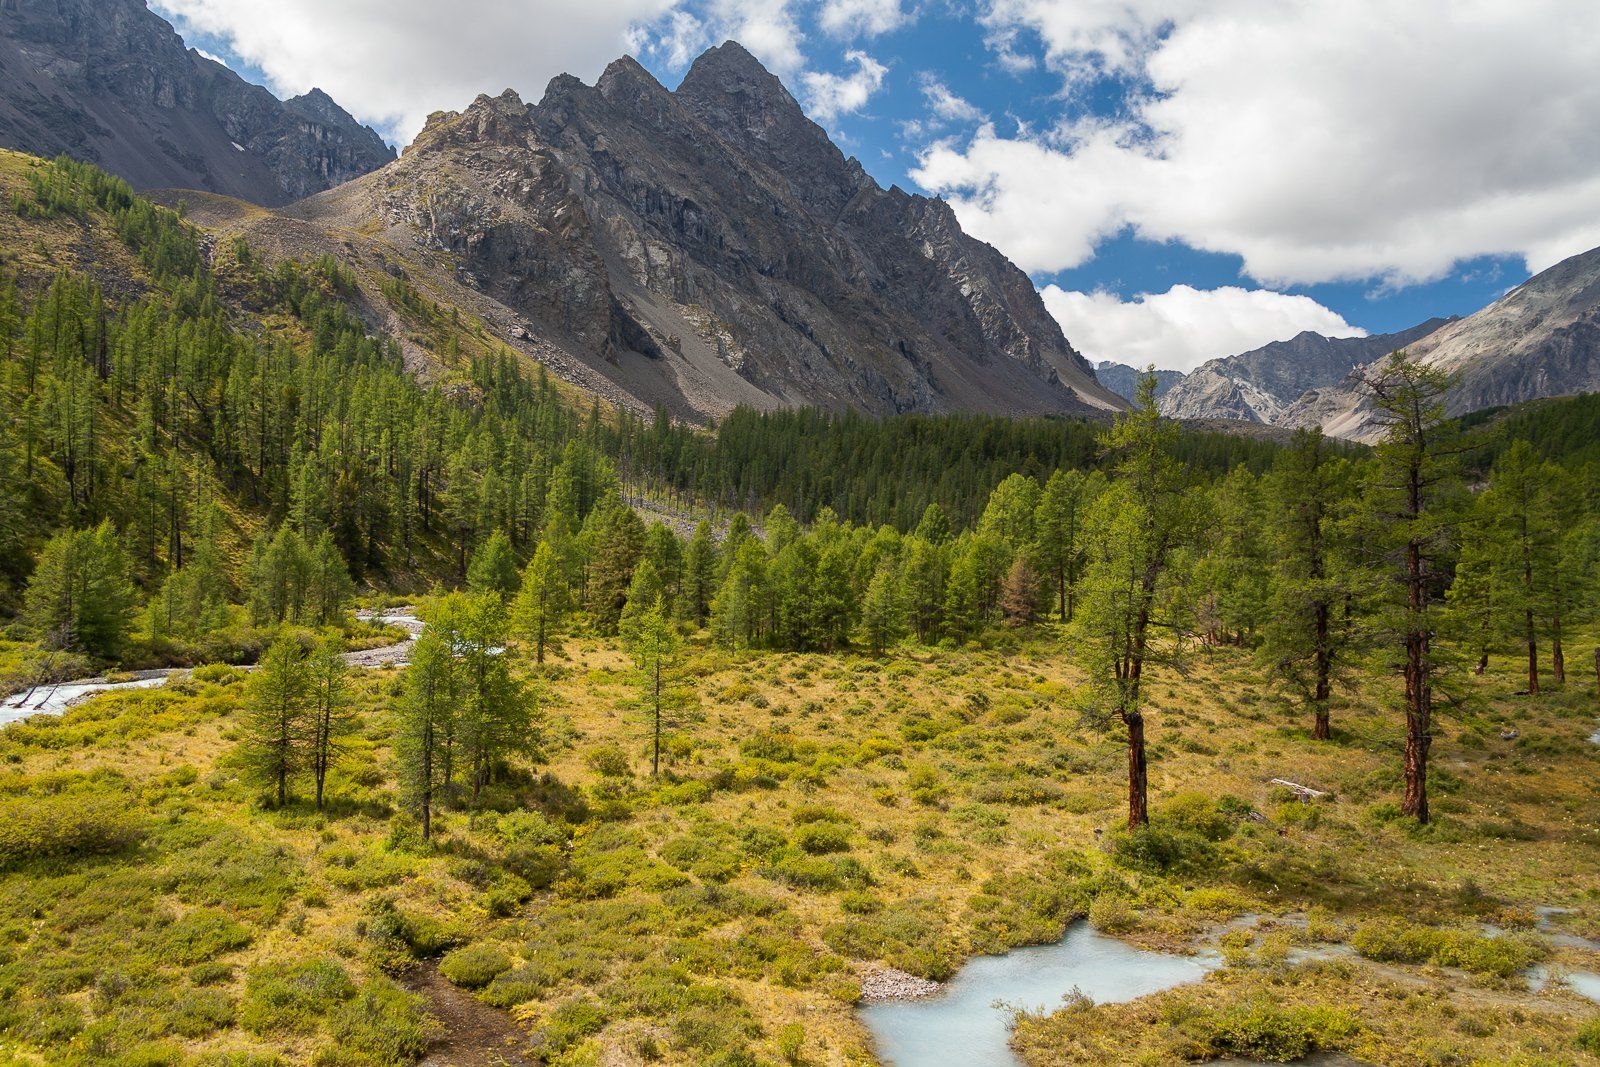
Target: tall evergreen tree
542 603
328 700
1140 527
1310 623
1520 503
79 596
1409 519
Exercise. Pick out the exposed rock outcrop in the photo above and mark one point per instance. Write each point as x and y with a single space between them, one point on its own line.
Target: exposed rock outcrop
1123 380
110 82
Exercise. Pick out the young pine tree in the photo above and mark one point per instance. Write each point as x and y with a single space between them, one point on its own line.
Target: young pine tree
277 727
660 694
1140 527
425 724
542 602
492 719
883 617
79 596
328 702
494 567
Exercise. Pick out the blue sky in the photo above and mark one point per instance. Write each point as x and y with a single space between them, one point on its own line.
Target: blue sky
1181 178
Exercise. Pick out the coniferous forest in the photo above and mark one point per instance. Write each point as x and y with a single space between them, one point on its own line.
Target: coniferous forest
497 716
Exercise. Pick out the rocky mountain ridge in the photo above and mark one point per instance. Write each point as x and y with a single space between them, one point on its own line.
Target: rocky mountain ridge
1541 339
1123 379
702 248
110 82
1262 384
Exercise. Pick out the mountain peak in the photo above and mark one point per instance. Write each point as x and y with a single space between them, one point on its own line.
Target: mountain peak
627 84
727 77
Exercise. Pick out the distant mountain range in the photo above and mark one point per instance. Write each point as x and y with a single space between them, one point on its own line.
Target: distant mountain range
1541 339
110 82
1260 385
1123 380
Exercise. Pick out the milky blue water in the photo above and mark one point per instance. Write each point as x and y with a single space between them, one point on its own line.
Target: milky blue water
963 1027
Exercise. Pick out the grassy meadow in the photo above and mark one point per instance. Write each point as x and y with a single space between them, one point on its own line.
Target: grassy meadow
818 817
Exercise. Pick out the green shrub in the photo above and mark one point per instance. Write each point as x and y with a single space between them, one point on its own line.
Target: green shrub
1263 1030
1197 814
1395 941
1157 849
474 966
822 838
1113 913
69 825
382 1025
293 996
1588 1037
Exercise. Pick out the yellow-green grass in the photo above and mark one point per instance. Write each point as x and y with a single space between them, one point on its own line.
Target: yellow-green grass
818 816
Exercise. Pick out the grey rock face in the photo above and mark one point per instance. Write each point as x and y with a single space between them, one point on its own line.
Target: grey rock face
1124 380
711 247
1541 339
1262 384
110 82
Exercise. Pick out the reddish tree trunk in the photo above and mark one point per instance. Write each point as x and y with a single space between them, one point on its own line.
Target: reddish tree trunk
1138 774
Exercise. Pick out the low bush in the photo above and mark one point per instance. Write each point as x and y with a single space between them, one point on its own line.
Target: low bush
293 996
1395 941
35 827
1266 1031
383 1024
474 966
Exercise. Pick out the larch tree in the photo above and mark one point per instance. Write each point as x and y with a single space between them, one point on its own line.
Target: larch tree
493 568
276 728
332 718
1140 528
1520 506
659 693
1409 516
1310 622
542 603
1059 528
883 617
79 595
424 720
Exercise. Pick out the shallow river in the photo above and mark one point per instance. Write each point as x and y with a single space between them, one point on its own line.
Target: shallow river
55 699
963 1026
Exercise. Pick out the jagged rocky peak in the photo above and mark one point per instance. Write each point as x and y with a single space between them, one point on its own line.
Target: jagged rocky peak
110 82
710 246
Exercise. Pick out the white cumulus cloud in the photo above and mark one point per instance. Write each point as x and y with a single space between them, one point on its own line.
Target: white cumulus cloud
849 18
1183 327
1318 141
830 95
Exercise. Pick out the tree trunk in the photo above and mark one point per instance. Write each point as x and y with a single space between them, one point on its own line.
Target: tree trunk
1418 698
1533 655
1138 773
1321 731
1558 658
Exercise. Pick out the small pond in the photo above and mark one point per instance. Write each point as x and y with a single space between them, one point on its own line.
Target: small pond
963 1027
